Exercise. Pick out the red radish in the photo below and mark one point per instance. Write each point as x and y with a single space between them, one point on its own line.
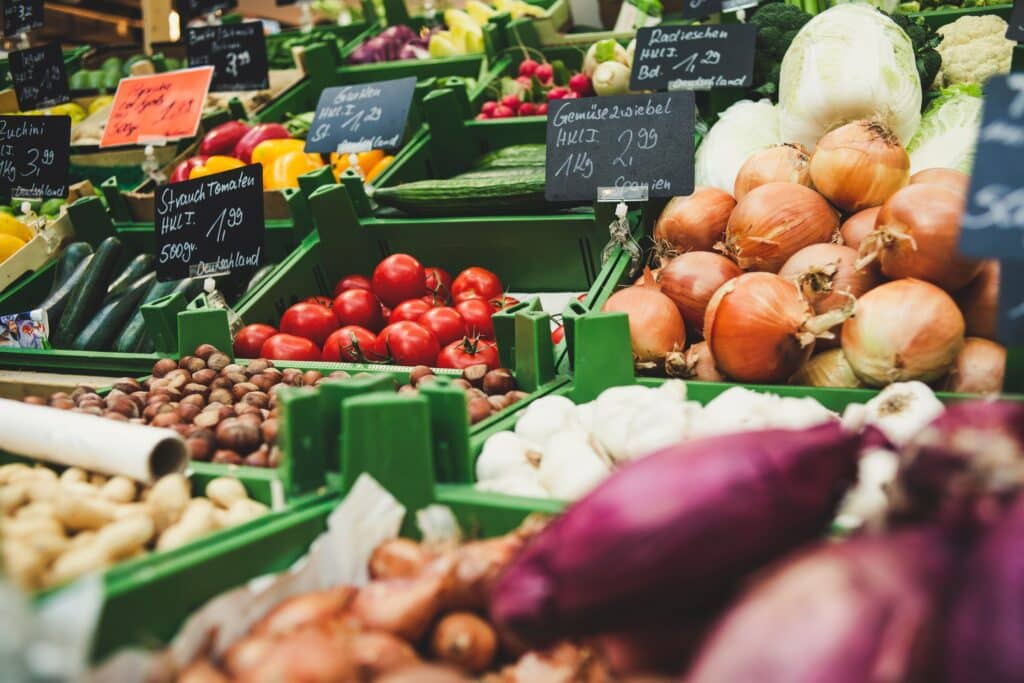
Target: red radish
542 109
527 109
481 117
525 81
571 96
528 67
503 112
557 93
544 73
511 101
580 84
489 107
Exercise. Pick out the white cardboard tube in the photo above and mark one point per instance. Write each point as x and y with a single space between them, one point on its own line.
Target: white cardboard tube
113 448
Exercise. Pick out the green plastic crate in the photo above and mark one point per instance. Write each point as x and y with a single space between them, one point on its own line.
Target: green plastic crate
947 15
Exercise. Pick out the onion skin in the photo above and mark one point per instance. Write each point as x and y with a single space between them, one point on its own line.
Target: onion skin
950 178
917 235
827 369
776 220
979 368
695 222
850 612
695 363
691 279
858 226
903 330
859 165
979 302
754 329
786 163
655 324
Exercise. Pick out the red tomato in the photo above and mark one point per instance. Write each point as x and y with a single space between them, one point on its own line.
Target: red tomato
476 283
289 347
350 344
465 352
397 278
312 321
250 338
433 300
408 310
446 324
322 300
385 312
358 307
477 315
439 283
502 302
407 343
352 282
558 335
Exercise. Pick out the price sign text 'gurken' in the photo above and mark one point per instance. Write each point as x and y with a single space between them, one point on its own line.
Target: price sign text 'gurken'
358 118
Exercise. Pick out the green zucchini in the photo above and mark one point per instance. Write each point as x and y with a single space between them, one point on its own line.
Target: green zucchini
136 268
68 262
519 189
135 336
109 322
88 294
512 157
57 300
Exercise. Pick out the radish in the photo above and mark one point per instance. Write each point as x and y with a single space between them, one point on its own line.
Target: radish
528 67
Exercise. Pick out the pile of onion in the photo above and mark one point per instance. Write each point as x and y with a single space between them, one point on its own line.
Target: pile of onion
859 165
827 369
979 302
691 279
901 331
694 363
776 220
827 277
759 329
655 324
979 368
786 163
693 223
858 226
916 236
950 178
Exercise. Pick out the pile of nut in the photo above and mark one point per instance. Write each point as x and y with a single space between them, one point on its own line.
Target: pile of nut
487 391
55 528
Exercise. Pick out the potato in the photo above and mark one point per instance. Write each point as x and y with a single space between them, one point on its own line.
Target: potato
197 520
11 472
44 490
13 496
242 511
81 539
81 512
27 527
24 564
131 509
125 536
77 562
119 490
225 491
37 509
74 474
97 479
168 499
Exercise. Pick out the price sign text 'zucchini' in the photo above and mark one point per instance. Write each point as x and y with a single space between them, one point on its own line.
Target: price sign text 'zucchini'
34 156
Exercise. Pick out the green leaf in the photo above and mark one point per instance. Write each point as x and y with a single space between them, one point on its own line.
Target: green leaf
605 50
561 73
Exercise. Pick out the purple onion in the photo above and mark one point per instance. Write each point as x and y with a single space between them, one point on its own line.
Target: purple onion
414 51
860 611
676 530
986 634
399 34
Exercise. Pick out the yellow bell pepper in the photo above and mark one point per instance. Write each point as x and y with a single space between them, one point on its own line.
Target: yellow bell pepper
9 225
215 164
366 160
286 169
269 150
378 168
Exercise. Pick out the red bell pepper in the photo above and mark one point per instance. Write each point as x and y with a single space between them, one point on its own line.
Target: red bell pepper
256 135
223 138
184 168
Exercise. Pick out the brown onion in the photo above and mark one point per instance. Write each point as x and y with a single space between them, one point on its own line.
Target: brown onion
786 163
858 226
693 223
694 363
979 368
691 279
917 234
827 369
776 220
949 178
859 165
827 277
655 325
903 330
979 302
759 329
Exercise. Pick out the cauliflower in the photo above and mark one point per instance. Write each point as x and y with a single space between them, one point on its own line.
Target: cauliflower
974 48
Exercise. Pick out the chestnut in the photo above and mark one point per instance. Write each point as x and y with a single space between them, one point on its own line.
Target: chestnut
255 367
236 377
206 419
218 361
201 444
499 381
122 405
127 384
226 456
193 400
221 383
479 409
35 400
474 374
498 402
262 382
192 364
259 457
188 411
418 373
80 390
407 390
204 351
238 435
221 396
166 419
256 398
117 417
292 377
163 366
204 376
231 368
311 377
240 390
461 384
269 430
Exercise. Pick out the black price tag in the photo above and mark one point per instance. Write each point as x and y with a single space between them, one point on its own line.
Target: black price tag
627 141
237 53
698 9
39 77
694 57
358 118
1015 29
21 16
1011 304
34 156
210 225
190 9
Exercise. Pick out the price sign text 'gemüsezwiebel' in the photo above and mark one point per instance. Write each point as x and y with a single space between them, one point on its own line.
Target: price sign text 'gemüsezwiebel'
158 108
211 225
34 156
693 57
237 53
358 118
39 77
22 16
626 141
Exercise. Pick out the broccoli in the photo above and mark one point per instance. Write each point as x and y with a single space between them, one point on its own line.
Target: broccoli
924 40
777 24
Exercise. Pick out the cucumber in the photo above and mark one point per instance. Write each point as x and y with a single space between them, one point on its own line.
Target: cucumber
135 337
513 156
88 294
136 268
74 254
99 334
57 300
517 189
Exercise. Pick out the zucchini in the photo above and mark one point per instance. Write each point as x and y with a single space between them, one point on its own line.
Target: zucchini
57 300
88 294
510 191
512 157
68 262
135 336
99 334
136 268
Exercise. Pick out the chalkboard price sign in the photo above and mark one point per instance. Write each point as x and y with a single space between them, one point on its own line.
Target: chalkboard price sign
358 118
698 9
1015 29
237 52
34 156
39 77
693 57
190 9
211 225
627 141
21 16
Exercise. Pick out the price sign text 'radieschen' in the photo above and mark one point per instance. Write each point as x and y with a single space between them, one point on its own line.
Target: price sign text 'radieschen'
693 57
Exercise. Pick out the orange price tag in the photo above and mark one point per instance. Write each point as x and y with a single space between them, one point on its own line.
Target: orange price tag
157 108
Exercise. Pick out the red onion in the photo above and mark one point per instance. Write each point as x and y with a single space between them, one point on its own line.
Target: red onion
655 325
979 302
979 368
858 226
786 163
691 279
693 223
